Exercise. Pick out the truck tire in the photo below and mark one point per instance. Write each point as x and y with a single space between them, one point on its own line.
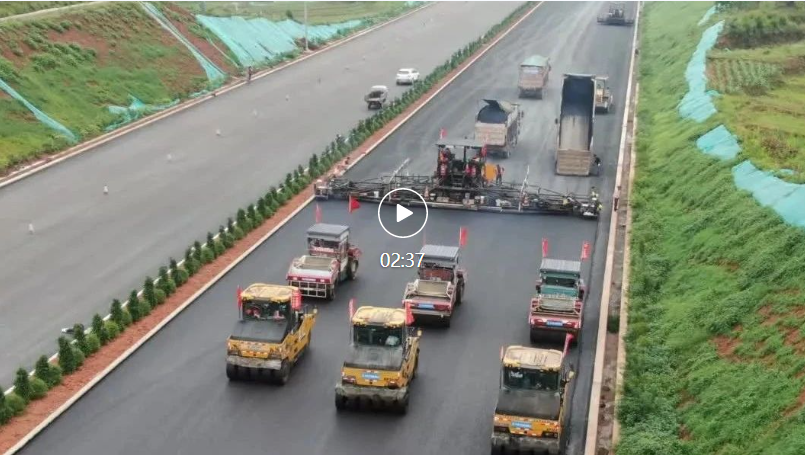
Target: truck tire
446 322
340 403
460 294
352 269
231 372
330 295
402 405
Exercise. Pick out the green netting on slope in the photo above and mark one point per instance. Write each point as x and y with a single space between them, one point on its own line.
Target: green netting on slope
697 104
255 41
707 15
214 74
787 199
41 116
137 109
720 143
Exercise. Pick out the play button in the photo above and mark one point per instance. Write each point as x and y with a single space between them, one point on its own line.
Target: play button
402 213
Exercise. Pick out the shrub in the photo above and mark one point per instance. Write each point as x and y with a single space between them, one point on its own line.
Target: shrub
38 388
207 255
166 283
47 372
176 274
127 320
183 275
80 337
238 233
228 240
67 357
22 385
5 412
15 403
93 344
98 329
117 313
79 357
218 247
190 264
160 296
112 329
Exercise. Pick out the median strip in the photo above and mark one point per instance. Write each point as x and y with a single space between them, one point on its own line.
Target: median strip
181 283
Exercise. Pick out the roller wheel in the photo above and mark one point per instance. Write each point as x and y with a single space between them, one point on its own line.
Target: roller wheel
446 322
352 269
340 403
284 373
402 405
330 295
231 372
496 450
460 294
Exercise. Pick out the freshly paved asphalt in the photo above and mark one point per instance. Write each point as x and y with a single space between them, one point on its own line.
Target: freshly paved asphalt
172 396
89 248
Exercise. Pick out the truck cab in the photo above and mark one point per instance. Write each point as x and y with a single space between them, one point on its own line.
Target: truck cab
330 259
438 287
603 96
555 310
530 411
381 362
271 334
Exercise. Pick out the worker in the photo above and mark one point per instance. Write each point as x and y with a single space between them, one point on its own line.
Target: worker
616 198
499 174
593 193
597 164
249 74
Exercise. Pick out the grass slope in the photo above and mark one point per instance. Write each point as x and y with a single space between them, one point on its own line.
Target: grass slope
13 8
73 68
716 344
760 69
317 12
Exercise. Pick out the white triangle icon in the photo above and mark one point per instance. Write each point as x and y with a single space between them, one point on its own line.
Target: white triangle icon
403 213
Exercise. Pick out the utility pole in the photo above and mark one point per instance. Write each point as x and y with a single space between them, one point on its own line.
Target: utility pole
307 48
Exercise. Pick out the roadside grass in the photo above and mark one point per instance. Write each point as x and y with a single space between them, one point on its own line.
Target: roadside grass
716 341
763 84
13 8
74 67
317 12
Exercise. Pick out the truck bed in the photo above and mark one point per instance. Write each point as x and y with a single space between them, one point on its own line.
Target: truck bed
574 128
312 266
429 289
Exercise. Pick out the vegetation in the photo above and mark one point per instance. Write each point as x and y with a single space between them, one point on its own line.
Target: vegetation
716 340
317 12
13 8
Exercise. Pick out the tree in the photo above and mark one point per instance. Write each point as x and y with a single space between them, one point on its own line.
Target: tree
148 292
197 251
99 329
5 412
22 385
67 358
47 372
80 337
135 307
117 312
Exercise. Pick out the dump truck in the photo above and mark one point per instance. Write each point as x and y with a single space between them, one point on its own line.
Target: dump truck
616 15
531 410
439 286
381 362
556 309
574 154
603 96
272 332
534 72
497 126
331 259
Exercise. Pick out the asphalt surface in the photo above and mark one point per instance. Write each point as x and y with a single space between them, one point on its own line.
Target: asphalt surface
172 396
89 248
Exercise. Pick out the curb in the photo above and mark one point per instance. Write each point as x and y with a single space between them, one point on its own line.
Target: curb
57 158
106 371
627 263
591 439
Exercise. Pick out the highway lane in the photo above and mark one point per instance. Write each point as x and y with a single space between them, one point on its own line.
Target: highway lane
83 253
172 396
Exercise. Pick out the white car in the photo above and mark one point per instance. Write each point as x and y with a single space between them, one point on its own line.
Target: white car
407 76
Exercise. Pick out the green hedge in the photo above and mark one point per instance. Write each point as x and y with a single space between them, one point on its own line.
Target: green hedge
73 352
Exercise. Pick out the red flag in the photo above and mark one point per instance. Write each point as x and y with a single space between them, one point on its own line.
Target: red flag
442 133
409 315
296 300
318 214
351 308
483 151
568 340
240 299
585 251
353 204
462 236
544 247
